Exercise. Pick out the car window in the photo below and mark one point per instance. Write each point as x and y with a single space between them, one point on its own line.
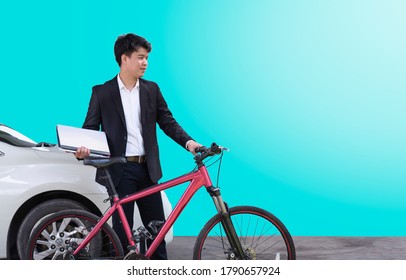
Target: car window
12 137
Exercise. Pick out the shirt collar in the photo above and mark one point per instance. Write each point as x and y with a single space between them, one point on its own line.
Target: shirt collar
121 85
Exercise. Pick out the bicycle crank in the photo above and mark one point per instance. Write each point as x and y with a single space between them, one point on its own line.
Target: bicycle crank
132 255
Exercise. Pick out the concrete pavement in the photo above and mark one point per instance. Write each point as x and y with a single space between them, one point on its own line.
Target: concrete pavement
320 248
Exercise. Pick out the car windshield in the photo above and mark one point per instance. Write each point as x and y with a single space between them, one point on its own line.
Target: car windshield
12 137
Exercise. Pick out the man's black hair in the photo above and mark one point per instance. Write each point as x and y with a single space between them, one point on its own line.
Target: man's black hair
127 44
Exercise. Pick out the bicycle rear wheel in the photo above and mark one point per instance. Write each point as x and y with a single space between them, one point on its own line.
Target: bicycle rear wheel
262 236
59 234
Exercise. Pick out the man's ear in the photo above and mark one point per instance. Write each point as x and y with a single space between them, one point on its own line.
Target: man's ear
124 58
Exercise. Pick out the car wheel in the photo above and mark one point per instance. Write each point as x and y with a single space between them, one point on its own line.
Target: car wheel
36 214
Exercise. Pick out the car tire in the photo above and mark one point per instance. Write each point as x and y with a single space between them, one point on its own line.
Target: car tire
36 214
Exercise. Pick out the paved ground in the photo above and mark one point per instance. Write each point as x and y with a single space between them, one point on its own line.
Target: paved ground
321 248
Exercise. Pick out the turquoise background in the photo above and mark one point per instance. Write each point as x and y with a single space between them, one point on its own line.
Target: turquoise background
308 95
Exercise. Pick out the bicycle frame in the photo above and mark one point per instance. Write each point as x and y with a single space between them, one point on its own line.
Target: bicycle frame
256 234
197 179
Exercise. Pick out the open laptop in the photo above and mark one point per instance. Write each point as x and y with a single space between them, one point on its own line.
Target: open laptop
70 138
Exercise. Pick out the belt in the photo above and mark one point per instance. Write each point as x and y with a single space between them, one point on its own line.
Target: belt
138 159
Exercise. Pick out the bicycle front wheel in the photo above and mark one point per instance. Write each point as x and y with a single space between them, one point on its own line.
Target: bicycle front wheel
262 236
59 234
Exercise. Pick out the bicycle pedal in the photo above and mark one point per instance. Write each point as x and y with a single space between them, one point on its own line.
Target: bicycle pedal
155 226
144 233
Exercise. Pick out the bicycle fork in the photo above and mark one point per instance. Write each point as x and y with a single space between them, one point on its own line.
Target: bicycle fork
229 229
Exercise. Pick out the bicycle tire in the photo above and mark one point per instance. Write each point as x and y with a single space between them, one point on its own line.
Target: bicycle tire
36 214
58 234
262 236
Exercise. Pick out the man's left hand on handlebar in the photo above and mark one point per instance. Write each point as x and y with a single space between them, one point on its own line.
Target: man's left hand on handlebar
192 145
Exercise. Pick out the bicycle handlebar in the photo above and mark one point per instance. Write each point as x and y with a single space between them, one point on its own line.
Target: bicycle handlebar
204 152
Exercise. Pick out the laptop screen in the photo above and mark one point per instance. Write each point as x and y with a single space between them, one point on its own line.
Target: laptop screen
70 138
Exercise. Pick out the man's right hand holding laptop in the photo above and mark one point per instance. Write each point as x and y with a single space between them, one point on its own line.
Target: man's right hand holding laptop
82 152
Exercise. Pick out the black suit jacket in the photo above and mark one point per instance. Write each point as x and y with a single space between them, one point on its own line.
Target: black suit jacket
106 112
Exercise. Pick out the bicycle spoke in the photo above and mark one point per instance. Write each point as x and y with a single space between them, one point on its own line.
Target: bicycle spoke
258 231
58 235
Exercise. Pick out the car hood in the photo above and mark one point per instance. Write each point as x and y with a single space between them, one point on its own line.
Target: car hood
48 167
54 153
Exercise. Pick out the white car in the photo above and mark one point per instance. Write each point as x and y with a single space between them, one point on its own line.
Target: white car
37 179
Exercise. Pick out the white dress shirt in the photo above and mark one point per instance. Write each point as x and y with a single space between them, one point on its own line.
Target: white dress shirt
132 114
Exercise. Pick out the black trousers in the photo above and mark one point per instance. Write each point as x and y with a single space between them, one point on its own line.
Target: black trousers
135 177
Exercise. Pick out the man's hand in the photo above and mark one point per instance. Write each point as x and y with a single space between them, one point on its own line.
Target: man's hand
192 145
82 152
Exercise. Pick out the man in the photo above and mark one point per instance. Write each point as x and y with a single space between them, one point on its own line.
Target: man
128 108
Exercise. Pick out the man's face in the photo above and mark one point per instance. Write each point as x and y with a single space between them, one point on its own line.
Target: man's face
136 64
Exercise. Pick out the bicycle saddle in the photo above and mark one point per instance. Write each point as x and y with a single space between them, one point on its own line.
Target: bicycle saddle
103 162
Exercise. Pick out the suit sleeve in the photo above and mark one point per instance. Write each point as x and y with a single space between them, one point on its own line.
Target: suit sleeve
93 117
167 122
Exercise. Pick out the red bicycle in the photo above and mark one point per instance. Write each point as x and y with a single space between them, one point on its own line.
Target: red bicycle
236 233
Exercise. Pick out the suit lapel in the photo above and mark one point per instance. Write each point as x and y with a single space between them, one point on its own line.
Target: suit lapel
143 100
115 93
